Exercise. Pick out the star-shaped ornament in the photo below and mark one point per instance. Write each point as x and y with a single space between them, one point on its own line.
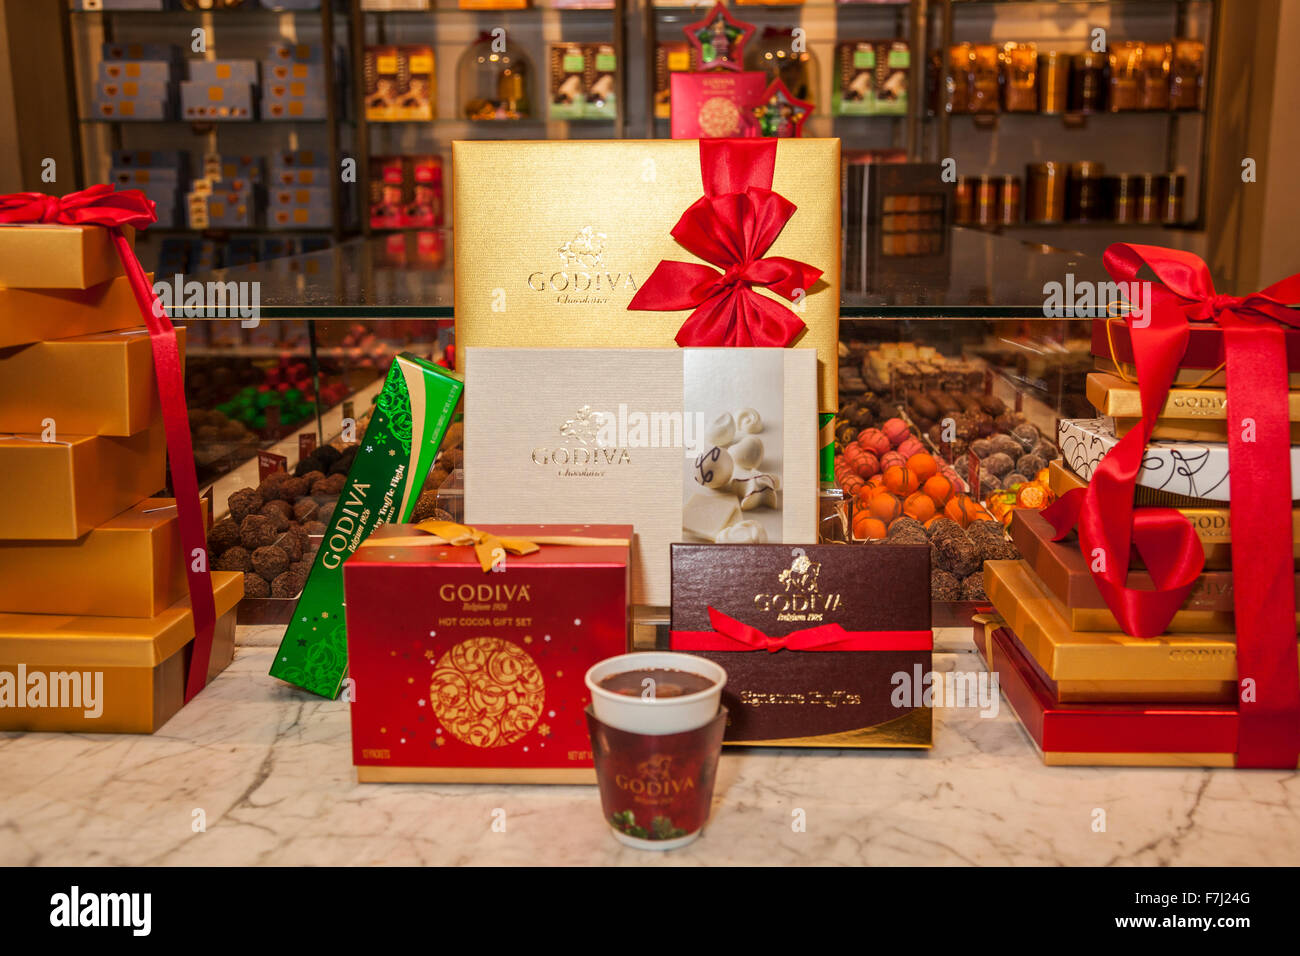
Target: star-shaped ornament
782 114
718 41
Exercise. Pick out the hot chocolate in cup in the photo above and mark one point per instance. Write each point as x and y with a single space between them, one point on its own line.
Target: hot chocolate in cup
668 696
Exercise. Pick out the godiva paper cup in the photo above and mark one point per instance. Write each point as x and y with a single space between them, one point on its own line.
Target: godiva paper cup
656 757
651 714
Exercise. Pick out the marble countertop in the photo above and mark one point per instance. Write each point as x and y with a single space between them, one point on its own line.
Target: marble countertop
268 770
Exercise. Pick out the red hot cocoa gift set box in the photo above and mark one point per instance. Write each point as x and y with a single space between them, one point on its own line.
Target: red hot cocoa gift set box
476 676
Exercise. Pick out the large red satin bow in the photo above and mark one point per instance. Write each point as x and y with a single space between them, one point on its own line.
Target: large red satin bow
732 226
102 206
1260 507
729 634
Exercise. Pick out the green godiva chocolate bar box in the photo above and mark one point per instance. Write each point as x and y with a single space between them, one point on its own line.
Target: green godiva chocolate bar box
410 419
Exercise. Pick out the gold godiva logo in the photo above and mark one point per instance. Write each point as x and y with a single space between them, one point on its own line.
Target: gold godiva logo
800 597
583 277
583 448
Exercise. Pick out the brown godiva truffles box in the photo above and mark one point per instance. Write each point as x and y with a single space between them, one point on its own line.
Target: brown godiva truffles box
823 645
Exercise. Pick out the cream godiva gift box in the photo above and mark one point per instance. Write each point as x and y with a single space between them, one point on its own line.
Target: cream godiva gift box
650 243
716 445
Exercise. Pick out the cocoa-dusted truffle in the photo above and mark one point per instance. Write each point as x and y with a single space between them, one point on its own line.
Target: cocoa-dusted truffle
325 512
257 531
340 467
277 506
326 454
234 559
955 553
334 484
321 489
992 405
1013 478
425 506
1027 435
905 525
312 476
314 527
907 536
288 584
989 482
990 542
455 435
271 488
1006 445
256 586
305 509
982 447
1030 464
270 561
276 516
223 536
998 463
941 527
442 515
972 587
944 586
243 503
294 488
292 544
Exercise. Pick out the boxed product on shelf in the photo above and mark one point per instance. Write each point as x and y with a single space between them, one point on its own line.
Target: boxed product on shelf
812 658
1105 734
716 104
299 207
1188 414
716 445
400 83
225 166
223 72
225 100
417 601
412 414
139 51
96 384
25 312
175 159
288 106
1211 520
130 100
1187 74
60 489
1065 572
670 57
854 80
568 94
893 61
406 191
299 167
129 566
1183 468
157 72
601 81
107 674
283 51
49 256
1153 79
599 275
221 209
1019 77
1109 665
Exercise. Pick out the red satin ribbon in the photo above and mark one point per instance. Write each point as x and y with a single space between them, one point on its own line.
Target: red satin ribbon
1260 507
732 226
102 206
732 635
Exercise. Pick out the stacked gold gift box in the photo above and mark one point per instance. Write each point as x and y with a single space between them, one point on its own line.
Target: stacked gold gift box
95 622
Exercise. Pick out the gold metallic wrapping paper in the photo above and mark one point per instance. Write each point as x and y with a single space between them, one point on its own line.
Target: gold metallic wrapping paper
1185 377
1109 666
34 315
48 256
130 566
62 489
1210 521
97 384
143 661
525 211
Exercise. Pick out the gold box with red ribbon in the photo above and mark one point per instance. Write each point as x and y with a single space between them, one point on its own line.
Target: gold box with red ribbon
815 654
650 243
50 256
34 315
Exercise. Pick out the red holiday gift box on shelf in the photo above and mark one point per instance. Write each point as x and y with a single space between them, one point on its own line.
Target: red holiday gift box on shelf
467 648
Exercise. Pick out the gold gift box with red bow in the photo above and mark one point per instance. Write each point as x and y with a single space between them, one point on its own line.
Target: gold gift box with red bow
554 239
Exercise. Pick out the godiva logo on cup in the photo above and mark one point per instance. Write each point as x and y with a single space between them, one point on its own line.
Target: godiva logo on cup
800 597
583 448
583 277
654 778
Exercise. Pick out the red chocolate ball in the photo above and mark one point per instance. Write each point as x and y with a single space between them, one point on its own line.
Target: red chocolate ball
874 441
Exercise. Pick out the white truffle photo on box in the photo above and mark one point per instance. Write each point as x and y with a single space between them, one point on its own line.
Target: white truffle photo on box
731 490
